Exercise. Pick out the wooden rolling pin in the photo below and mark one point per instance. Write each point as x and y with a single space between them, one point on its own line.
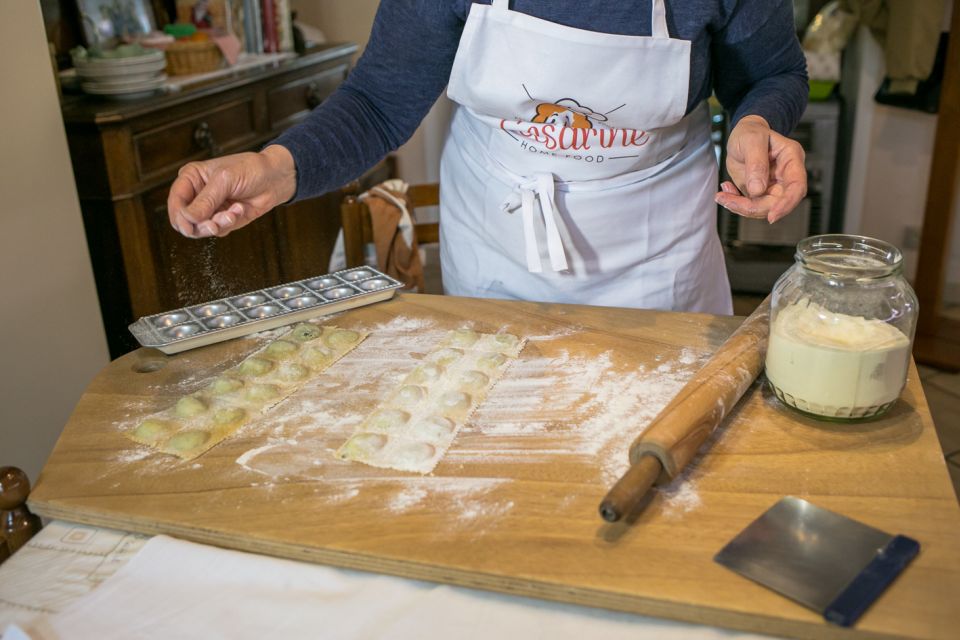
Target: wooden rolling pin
675 435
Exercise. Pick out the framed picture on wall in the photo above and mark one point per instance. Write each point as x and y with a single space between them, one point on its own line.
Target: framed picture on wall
108 22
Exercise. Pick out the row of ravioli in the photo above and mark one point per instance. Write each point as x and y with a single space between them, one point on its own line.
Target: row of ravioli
415 424
198 421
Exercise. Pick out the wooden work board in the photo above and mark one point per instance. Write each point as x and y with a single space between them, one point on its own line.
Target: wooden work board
512 507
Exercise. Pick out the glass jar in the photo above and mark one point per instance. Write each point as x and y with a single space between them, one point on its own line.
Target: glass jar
842 321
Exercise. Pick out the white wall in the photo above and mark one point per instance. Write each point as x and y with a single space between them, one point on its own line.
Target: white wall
51 336
892 151
350 20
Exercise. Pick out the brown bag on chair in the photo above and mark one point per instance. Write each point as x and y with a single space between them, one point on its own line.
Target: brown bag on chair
394 256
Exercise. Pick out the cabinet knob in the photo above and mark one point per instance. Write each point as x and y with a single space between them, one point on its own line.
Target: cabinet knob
314 95
203 136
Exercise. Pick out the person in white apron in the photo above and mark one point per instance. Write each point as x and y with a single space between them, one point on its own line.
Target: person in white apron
573 171
537 204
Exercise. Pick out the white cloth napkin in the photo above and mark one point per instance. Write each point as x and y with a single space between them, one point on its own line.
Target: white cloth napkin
176 589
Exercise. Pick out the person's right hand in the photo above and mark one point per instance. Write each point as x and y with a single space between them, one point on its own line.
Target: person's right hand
214 197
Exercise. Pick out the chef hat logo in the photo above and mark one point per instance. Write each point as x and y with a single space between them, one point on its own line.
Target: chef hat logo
567 112
576 107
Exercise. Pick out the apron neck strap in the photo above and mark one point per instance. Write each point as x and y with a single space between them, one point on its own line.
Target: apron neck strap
659 19
658 16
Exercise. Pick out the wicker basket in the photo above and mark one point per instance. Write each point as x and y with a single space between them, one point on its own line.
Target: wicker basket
186 57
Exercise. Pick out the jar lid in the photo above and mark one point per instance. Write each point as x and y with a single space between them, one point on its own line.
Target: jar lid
849 256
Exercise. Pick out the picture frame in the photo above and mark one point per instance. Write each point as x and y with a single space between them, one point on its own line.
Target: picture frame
107 23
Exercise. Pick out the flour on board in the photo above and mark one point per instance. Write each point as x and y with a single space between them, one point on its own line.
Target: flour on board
551 403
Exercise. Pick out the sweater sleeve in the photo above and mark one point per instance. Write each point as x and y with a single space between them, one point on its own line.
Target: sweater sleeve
401 73
758 65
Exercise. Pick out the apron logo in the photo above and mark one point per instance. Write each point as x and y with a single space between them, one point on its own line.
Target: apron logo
566 128
568 113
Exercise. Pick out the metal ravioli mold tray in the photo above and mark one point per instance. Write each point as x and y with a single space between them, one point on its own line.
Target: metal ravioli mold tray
234 316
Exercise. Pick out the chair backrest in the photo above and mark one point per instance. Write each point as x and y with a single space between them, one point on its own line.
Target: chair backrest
358 231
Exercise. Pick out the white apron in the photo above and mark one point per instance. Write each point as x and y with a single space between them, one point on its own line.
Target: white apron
571 174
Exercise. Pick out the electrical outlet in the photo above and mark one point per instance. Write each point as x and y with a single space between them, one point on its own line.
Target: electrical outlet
911 238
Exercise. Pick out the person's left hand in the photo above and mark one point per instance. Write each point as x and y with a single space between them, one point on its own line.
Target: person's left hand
768 172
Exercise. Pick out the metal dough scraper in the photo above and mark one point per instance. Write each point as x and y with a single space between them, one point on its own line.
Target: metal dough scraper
825 561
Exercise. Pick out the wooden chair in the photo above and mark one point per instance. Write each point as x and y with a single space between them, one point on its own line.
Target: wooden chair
358 232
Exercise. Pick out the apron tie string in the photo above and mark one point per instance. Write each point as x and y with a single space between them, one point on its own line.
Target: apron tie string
538 186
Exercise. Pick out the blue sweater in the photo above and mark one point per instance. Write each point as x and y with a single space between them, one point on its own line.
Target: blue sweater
744 50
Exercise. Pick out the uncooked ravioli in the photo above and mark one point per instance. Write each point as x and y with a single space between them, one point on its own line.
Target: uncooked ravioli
318 356
455 400
464 337
254 366
387 419
434 428
291 371
473 379
506 340
281 349
447 356
422 416
189 406
229 416
225 384
341 338
187 440
196 422
304 332
262 392
426 373
491 360
412 453
410 394
362 445
151 430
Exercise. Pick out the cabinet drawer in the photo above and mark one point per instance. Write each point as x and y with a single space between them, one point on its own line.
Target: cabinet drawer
219 130
292 101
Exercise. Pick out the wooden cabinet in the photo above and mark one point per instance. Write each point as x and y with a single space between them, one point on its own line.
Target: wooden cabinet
126 153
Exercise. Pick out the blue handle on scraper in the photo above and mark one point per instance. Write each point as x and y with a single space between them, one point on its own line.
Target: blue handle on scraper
847 607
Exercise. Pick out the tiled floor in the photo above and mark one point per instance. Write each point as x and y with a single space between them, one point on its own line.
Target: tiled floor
943 394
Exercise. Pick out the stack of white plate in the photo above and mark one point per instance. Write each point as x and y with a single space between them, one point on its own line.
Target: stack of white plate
129 77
